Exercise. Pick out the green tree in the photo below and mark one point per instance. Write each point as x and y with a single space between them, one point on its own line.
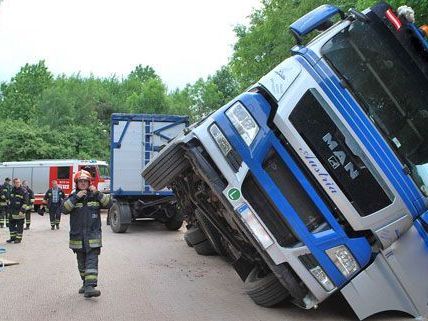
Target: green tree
226 84
180 101
19 96
152 98
143 74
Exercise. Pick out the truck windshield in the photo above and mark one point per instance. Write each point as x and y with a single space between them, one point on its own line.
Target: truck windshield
390 87
104 171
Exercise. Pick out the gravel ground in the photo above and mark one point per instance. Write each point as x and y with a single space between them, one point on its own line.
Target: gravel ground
146 274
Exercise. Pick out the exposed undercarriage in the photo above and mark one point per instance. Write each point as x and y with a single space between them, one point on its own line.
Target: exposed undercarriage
198 186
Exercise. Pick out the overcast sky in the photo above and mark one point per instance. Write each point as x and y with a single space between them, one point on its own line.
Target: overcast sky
182 40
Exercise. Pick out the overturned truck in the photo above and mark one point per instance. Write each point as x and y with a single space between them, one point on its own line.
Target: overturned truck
315 179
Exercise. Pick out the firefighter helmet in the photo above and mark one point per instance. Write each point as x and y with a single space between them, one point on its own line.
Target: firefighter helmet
82 175
424 29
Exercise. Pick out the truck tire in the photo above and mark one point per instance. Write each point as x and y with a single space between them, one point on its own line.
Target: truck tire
211 233
264 289
176 221
115 218
194 236
187 241
204 248
197 239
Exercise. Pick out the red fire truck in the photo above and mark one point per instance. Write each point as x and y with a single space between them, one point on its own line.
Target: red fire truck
40 173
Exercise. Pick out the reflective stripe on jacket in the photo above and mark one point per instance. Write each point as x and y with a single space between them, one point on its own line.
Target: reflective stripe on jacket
18 203
85 220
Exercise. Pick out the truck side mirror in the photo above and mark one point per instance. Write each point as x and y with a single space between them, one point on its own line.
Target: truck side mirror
317 19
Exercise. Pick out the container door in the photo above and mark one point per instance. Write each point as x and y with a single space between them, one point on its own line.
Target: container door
126 156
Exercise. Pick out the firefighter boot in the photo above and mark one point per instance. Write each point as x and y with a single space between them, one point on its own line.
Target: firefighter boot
1 225
82 289
90 291
27 227
57 226
12 239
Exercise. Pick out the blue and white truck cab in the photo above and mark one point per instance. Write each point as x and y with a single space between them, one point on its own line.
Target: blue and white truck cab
315 180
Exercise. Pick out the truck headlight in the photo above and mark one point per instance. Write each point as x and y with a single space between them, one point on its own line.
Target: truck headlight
220 139
343 259
250 219
243 122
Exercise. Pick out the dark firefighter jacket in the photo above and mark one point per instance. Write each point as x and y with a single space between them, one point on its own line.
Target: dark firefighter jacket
18 203
30 198
48 197
85 221
5 194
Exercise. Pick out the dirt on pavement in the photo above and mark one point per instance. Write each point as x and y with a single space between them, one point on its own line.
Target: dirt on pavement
148 273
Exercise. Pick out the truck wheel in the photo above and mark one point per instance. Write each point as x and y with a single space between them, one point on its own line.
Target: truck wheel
187 241
264 289
194 236
197 239
204 248
211 233
115 218
176 221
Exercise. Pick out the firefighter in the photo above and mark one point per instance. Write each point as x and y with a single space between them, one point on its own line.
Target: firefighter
84 206
18 204
53 199
30 206
4 202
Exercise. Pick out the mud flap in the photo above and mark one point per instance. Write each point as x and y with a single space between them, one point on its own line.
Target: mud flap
396 280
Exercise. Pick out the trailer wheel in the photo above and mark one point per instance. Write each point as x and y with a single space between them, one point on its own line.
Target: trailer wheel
176 221
115 214
264 289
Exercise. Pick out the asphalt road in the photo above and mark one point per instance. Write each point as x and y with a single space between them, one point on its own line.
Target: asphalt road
148 273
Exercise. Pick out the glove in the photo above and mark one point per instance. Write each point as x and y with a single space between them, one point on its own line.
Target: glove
81 194
41 211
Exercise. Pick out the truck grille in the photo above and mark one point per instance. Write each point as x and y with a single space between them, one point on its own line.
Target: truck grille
293 191
329 145
268 212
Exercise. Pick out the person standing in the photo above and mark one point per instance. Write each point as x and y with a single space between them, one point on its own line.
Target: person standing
30 206
4 202
18 204
84 206
53 199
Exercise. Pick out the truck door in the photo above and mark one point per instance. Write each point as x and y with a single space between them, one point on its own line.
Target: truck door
64 177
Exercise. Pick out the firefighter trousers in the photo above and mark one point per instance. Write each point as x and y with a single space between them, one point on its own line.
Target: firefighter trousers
16 228
28 218
87 263
4 217
55 214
